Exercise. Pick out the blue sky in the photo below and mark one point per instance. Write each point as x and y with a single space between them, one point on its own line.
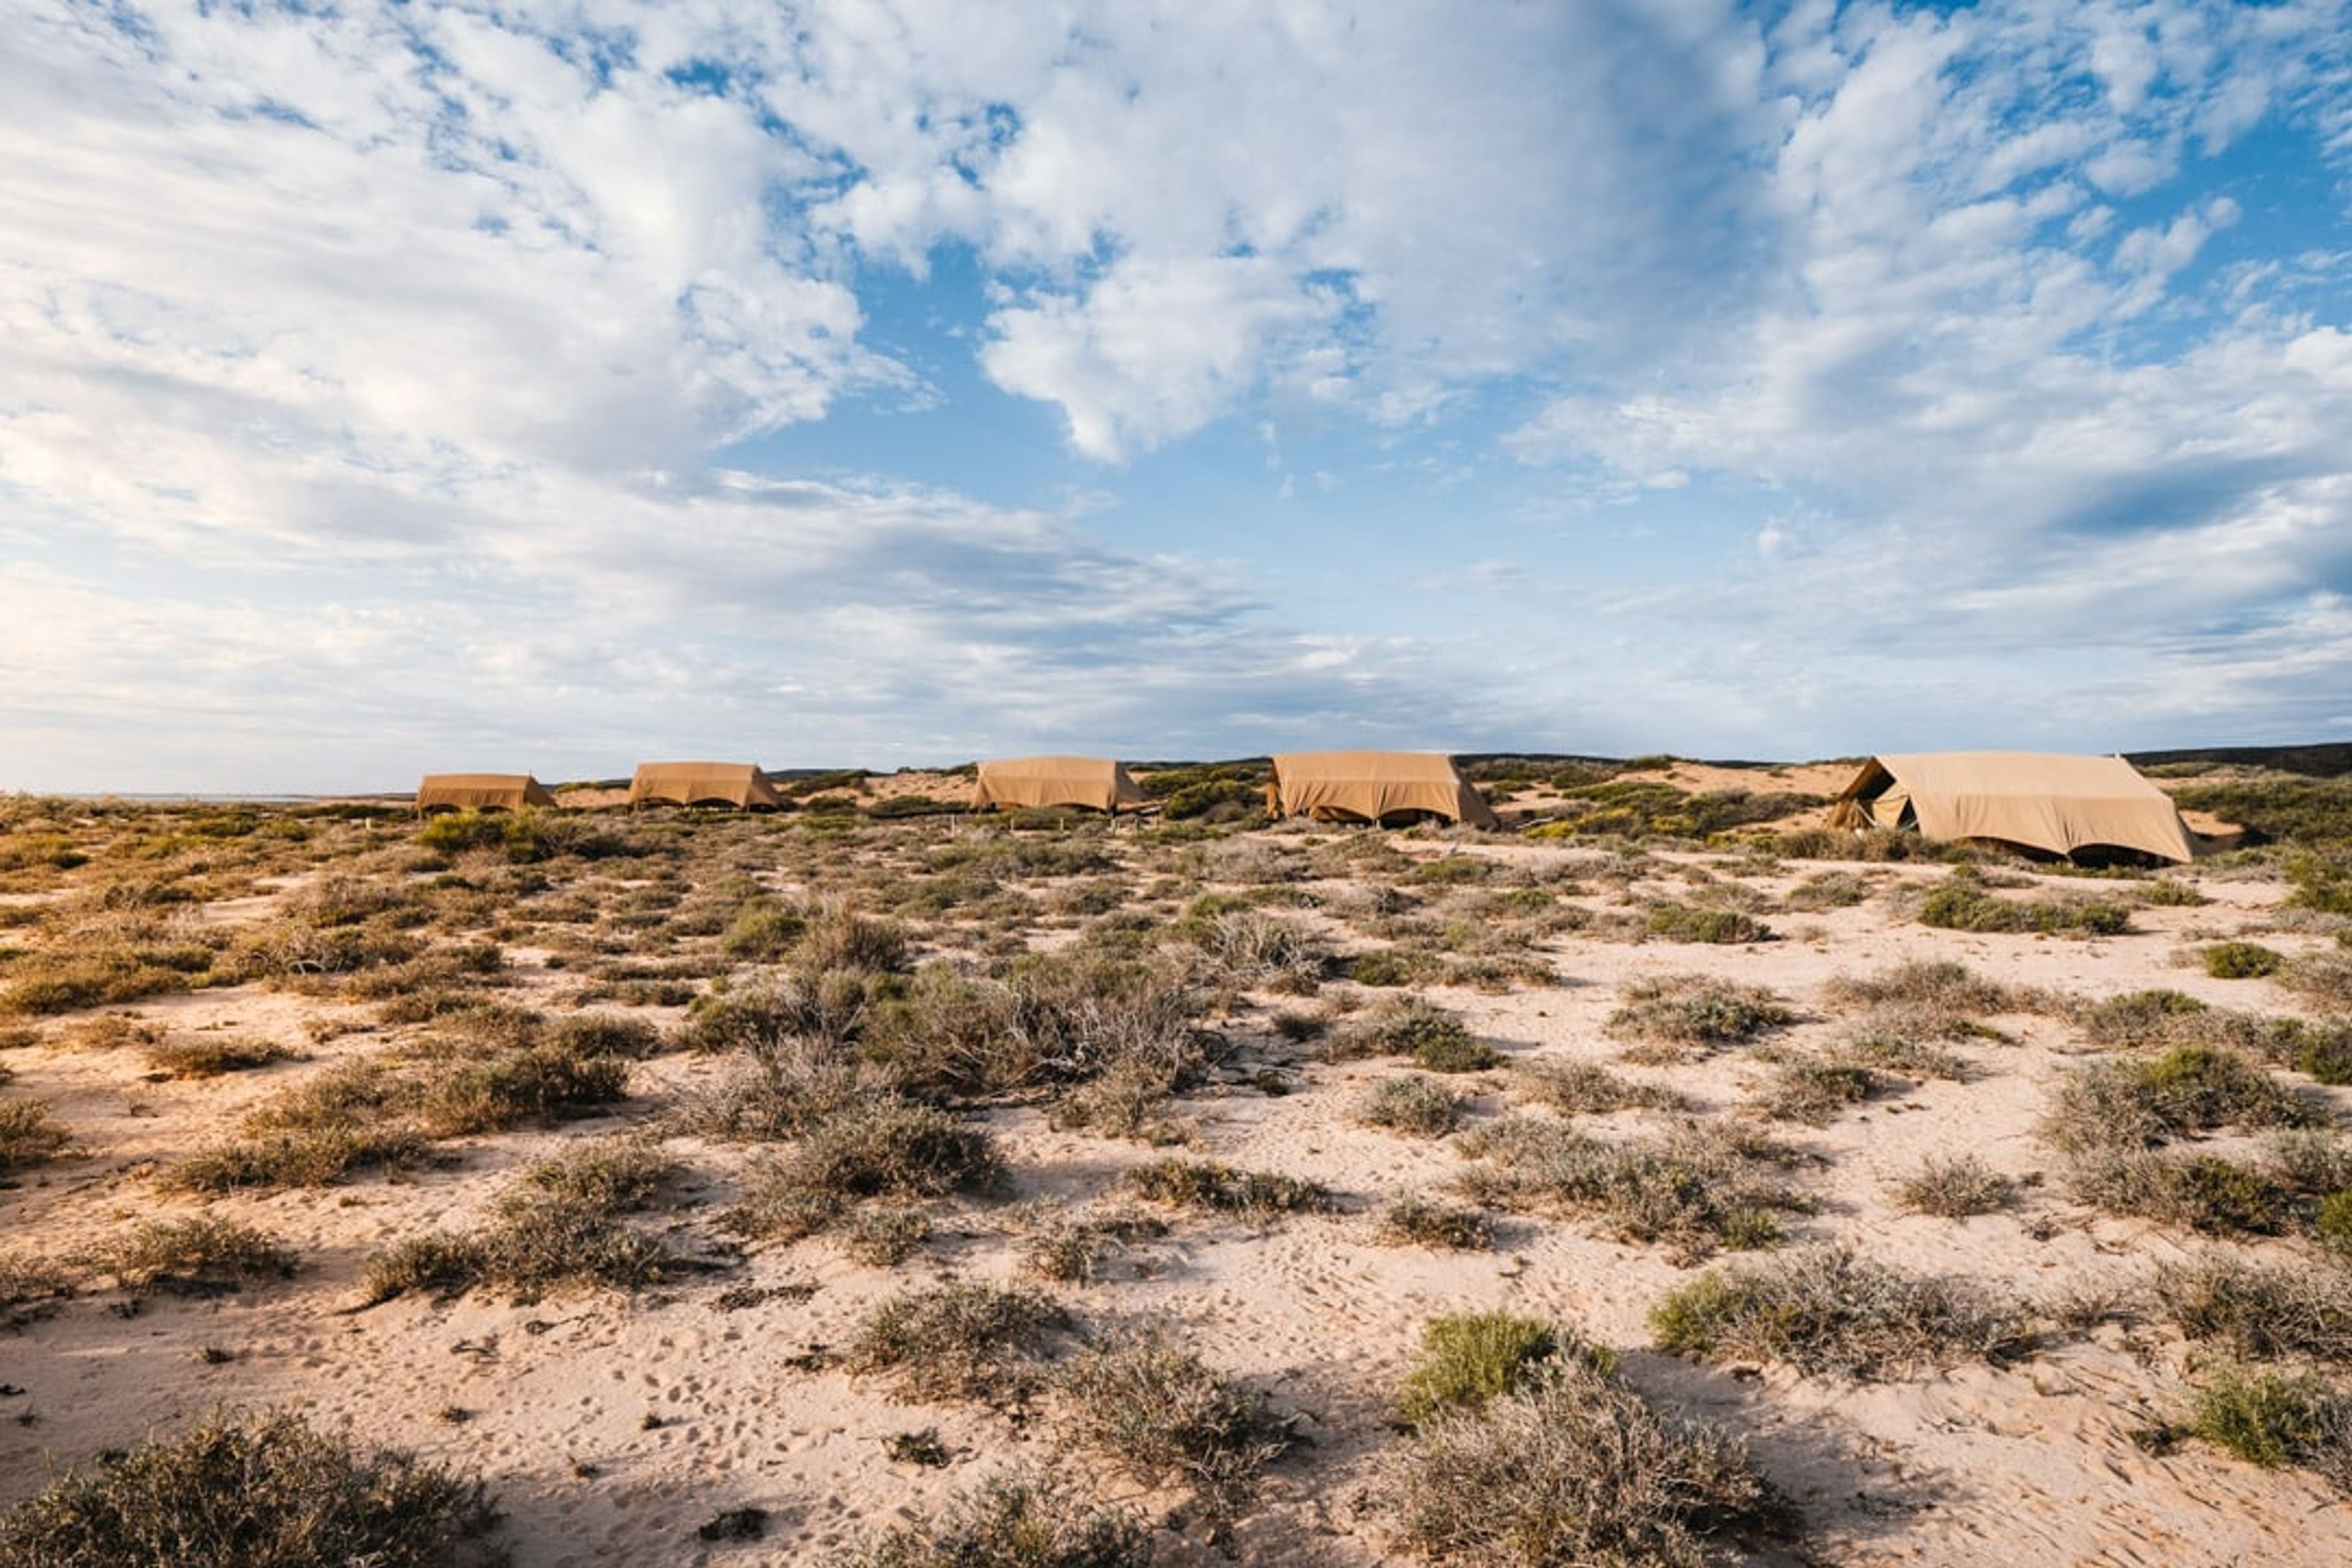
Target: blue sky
387 388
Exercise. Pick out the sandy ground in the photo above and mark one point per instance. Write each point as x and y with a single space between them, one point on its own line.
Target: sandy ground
611 1425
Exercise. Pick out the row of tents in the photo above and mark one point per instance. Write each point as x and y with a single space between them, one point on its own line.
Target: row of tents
2049 802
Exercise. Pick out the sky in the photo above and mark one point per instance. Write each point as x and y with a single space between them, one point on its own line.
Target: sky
390 388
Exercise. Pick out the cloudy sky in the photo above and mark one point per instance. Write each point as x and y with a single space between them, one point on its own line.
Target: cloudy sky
398 387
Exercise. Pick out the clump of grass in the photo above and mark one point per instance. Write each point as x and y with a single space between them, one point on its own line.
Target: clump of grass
1947 988
615 1175
873 1149
310 1158
536 1241
244 1490
1405 1026
1394 966
1705 923
1575 1468
2275 1419
1469 1358
2211 1193
213 1058
2188 1090
1418 1106
1826 1311
196 1257
1587 1088
27 1136
885 1237
1016 1521
1416 1221
1813 1090
1072 1251
1700 1187
2241 961
1961 903
1675 1016
962 1341
2333 1224
1954 1186
1168 1416
1258 1195
2259 1311
1252 947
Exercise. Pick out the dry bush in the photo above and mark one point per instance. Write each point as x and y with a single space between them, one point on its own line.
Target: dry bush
1698 1187
1940 986
1404 1025
884 1237
1015 1520
1257 1196
212 1058
1954 1188
1249 947
310 1157
1813 1090
2259 1311
2112 1105
1675 1016
1469 1358
2211 1193
1072 1251
1705 923
870 1149
1416 1221
1575 1468
195 1256
2241 961
960 1341
1823 1310
27 1136
613 1176
242 1491
538 1084
2325 978
1411 1104
1167 1416
1581 1089
562 1231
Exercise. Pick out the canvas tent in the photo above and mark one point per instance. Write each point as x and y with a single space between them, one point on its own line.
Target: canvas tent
739 785
1097 784
480 791
2041 800
1367 786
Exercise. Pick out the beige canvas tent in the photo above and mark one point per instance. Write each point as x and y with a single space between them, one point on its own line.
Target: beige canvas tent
1367 786
1098 784
2040 800
739 785
480 791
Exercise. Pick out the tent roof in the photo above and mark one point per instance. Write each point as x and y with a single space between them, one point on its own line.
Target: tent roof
1099 783
466 792
1371 785
2043 800
703 784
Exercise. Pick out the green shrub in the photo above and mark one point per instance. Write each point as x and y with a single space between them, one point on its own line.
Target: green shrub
1582 1088
540 1083
2334 1222
2241 961
1825 1310
2275 1419
1415 1221
213 1058
1700 1187
239 1491
1954 1187
1673 1015
2207 1193
1206 1185
1469 1358
1960 903
2188 1090
1815 1088
542 1236
875 1148
1575 1468
1406 1025
1693 922
1015 1520
1410 1104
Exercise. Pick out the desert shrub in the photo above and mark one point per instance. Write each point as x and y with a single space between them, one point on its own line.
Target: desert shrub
1579 1088
1813 1090
1404 1025
307 1157
1678 1013
1416 1221
1394 966
1015 1521
612 1175
27 1136
2207 1193
1070 1252
960 1341
1206 1185
2273 1419
2241 961
1410 1104
1254 948
2324 977
871 1148
885 1236
2333 1223
1954 1187
2259 1311
2322 881
2188 1090
1823 1310
539 1237
51 982
196 1257
1703 924
212 1058
1167 1416
826 1007
1961 903
1946 990
253 1490
614 1035
762 931
540 1083
1575 1468
1469 1358
1697 1188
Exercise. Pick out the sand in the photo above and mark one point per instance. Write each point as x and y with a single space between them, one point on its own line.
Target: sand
611 1425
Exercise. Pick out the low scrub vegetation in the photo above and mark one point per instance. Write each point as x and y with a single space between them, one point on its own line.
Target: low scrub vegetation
2241 961
1587 1088
27 1135
2274 1419
1954 1186
1677 1017
254 1491
962 1341
2189 1089
1420 1107
1826 1311
1417 1221
1470 1358
871 1148
1963 902
1700 1187
1814 1089
1206 1185
1015 1520
2259 1311
1168 1416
